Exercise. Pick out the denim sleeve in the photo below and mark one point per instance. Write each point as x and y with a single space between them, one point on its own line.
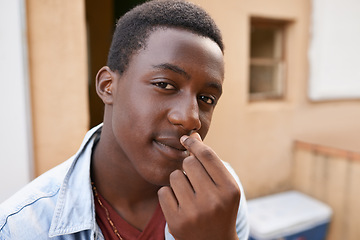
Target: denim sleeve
4 233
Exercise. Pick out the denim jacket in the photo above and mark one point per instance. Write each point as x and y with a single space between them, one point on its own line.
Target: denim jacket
60 205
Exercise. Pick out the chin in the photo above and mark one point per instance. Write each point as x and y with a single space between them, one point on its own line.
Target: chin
159 181
158 178
157 172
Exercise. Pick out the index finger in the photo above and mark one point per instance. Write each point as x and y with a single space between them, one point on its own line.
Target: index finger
207 157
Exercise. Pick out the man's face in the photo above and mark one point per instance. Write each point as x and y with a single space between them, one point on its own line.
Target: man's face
169 89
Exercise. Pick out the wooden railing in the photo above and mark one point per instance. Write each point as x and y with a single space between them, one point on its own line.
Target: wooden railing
332 176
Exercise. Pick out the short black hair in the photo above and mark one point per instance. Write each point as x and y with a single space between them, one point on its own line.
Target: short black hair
133 28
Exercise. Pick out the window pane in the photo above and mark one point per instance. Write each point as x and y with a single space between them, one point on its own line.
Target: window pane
266 80
266 58
262 43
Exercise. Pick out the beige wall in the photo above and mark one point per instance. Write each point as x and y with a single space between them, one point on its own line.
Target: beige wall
58 78
257 137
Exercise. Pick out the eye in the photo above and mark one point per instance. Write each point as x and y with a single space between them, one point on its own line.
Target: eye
164 85
208 100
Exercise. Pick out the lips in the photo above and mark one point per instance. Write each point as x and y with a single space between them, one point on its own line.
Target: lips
171 147
171 142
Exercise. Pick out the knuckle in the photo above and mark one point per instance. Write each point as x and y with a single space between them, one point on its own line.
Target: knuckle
175 175
207 153
162 192
232 194
235 198
234 189
189 162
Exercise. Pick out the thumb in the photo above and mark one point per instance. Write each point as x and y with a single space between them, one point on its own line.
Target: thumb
197 136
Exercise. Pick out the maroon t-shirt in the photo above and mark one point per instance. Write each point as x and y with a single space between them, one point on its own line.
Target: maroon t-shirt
154 230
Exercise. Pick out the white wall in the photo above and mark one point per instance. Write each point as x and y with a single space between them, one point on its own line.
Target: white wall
15 120
335 50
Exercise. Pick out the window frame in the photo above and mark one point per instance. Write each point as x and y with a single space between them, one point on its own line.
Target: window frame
280 26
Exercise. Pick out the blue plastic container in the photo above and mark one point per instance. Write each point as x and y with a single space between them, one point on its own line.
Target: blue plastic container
288 216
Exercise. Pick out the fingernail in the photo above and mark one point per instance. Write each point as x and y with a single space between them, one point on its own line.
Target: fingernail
197 135
183 138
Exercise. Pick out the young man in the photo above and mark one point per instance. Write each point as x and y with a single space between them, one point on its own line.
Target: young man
145 172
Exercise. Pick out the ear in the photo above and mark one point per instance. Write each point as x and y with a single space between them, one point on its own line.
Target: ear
105 84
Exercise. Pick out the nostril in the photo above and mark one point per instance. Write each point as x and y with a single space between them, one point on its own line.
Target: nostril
189 122
197 125
185 113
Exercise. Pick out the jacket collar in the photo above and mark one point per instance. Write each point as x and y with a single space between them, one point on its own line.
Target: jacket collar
75 211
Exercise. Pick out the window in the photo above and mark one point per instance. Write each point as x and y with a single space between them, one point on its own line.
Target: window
267 62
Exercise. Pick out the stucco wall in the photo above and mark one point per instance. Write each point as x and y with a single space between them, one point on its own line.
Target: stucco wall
257 137
58 79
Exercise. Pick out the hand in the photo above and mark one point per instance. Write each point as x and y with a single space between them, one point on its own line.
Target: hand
202 200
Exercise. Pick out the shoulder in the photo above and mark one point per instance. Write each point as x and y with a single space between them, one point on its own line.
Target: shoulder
34 204
242 224
236 177
30 212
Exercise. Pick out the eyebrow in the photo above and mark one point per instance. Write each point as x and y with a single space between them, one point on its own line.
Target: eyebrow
173 68
216 86
179 70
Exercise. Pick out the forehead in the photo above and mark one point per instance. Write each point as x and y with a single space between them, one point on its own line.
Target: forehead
181 48
176 33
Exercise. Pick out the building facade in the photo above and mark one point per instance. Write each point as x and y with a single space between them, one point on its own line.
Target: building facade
50 52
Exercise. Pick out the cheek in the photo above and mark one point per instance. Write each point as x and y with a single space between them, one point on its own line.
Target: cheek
138 117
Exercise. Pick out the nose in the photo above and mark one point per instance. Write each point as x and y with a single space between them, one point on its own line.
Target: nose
185 113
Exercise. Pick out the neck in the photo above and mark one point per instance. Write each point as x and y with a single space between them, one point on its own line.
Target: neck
116 179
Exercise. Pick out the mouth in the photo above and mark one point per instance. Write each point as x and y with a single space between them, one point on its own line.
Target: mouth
179 148
171 148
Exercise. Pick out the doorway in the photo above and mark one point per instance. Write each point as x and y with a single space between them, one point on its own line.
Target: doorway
101 18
